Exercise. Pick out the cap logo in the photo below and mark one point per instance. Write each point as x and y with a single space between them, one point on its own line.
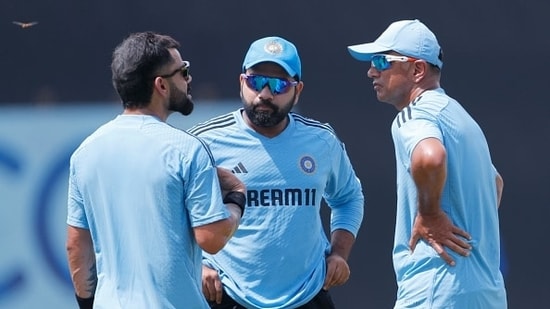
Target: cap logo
273 48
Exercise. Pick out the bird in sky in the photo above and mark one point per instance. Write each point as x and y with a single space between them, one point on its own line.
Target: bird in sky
25 25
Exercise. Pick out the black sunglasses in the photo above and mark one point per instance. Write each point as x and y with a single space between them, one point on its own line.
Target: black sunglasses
183 70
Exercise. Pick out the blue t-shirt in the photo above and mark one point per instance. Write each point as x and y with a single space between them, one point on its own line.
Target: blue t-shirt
276 259
140 186
469 199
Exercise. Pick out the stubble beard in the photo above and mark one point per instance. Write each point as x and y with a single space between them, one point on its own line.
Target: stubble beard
180 102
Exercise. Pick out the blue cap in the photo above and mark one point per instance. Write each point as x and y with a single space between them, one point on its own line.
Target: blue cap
408 37
277 50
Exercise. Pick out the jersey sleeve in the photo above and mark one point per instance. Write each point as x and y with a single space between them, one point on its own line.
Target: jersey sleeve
414 124
76 214
344 194
204 196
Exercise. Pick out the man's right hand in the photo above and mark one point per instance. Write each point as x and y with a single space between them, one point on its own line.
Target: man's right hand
438 231
211 285
229 182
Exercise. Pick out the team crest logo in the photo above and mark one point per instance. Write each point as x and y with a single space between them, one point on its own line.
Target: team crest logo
273 47
307 164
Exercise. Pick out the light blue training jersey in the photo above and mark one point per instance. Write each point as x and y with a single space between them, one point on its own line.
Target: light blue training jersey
276 259
140 186
469 199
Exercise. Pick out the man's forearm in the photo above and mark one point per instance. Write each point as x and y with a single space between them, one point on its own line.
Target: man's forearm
81 260
341 243
84 280
500 188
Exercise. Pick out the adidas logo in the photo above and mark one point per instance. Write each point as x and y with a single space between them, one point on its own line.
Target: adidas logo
239 169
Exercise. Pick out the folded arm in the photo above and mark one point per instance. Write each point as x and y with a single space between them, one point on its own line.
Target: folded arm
213 237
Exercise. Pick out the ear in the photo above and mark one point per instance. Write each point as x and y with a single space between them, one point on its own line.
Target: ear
241 84
160 86
298 90
420 70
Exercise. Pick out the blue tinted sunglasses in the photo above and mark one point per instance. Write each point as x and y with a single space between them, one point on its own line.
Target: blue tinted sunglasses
383 62
276 85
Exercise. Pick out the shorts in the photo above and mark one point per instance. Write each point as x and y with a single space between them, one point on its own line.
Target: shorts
321 301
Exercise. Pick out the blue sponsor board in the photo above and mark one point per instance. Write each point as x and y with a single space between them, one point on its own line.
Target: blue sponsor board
35 146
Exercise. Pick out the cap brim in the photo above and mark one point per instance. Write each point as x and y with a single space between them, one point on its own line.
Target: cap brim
365 51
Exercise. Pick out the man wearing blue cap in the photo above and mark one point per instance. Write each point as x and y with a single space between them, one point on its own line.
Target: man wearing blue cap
281 257
446 248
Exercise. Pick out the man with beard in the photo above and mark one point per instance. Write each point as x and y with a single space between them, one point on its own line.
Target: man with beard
144 197
280 256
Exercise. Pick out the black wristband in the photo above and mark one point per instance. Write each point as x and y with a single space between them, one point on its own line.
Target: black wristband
237 198
85 303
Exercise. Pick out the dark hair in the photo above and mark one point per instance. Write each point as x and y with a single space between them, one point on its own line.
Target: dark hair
440 57
135 63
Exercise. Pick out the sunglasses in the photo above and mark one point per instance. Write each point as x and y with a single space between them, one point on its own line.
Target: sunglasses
183 70
276 85
383 62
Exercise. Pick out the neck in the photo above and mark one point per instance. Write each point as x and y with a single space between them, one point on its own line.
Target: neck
155 108
146 111
416 92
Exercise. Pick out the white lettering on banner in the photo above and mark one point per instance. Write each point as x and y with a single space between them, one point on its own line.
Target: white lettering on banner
35 147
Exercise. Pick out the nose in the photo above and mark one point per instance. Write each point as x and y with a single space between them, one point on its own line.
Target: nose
265 93
372 72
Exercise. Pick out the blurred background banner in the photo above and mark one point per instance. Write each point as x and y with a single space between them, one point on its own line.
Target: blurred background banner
35 147
53 71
